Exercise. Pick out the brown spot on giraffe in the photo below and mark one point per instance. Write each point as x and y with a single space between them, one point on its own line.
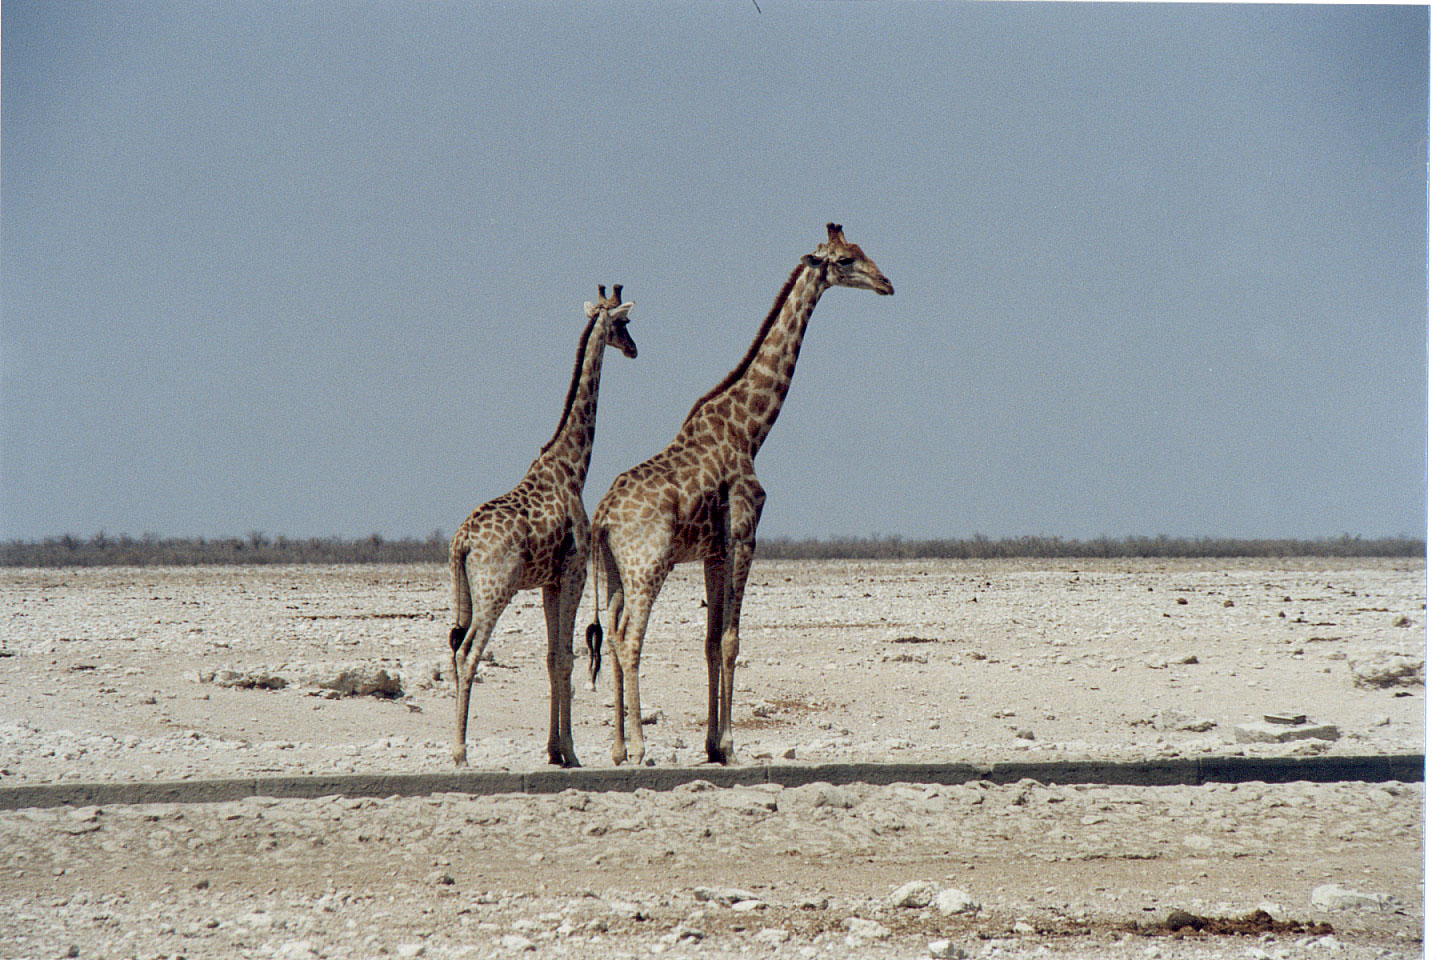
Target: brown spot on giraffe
699 499
534 536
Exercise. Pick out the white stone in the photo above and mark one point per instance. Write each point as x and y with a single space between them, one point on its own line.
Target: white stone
515 943
867 929
1332 896
953 900
946 950
728 895
915 894
1282 733
1387 670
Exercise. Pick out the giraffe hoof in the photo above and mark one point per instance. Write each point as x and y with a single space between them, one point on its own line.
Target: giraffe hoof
458 755
721 755
564 759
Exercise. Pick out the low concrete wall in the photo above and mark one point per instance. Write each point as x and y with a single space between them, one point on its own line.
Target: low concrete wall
1407 768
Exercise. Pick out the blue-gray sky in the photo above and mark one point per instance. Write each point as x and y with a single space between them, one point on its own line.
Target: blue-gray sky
318 269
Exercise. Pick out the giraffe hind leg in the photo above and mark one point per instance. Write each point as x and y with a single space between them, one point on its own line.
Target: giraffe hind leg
492 584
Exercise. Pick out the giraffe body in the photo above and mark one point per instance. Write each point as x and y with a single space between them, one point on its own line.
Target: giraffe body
699 499
534 537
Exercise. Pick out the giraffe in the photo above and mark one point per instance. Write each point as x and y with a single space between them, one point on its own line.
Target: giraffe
535 536
699 499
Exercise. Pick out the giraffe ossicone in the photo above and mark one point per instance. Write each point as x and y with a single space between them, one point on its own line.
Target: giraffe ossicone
536 536
699 499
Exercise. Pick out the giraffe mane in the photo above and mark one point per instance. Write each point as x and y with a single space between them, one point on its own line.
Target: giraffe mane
574 383
734 376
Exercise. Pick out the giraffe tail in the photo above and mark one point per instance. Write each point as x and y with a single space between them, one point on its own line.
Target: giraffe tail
594 634
462 598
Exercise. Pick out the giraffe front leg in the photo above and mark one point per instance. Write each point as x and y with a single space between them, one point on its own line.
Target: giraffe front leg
743 554
717 599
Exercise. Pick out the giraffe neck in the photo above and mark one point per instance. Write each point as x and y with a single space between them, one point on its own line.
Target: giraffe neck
568 451
748 401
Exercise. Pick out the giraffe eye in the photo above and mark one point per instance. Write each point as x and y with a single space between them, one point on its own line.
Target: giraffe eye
845 261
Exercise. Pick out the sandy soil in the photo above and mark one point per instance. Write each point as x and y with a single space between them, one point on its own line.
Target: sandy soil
119 674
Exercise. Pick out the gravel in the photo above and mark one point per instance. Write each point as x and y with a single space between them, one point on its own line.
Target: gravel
1091 660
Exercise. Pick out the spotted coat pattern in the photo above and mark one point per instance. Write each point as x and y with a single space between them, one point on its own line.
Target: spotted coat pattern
699 499
535 536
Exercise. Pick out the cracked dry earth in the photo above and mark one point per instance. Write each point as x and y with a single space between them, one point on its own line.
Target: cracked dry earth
898 661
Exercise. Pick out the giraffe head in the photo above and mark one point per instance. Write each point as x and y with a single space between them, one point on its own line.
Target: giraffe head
616 317
843 264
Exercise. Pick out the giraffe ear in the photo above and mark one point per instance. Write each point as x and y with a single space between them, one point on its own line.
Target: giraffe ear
621 312
590 309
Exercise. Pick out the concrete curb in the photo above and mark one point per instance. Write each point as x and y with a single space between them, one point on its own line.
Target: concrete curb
1406 768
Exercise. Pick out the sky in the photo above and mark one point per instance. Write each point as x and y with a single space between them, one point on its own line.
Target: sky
319 269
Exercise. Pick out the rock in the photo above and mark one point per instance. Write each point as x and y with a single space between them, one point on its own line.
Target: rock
515 943
1283 733
1023 927
747 801
1189 723
953 900
914 895
258 678
864 929
772 935
296 950
1332 896
650 715
408 951
1387 670
747 906
685 930
726 895
628 909
360 680
946 950
829 795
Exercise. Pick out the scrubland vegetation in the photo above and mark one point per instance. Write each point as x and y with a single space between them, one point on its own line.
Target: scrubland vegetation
258 548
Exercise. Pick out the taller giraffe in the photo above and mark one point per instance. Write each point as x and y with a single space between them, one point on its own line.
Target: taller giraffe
698 499
535 536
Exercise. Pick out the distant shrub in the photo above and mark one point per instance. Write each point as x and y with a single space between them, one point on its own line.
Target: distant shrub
257 548
1033 547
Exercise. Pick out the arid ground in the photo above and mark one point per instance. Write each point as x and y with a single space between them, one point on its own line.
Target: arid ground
196 673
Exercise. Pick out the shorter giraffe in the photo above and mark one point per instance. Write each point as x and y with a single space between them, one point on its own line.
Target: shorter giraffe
536 536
